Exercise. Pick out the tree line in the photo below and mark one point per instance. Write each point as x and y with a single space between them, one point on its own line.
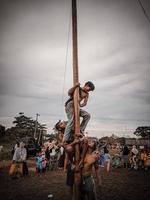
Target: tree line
23 126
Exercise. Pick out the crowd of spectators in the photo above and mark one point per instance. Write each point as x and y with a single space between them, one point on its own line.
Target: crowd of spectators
131 157
52 156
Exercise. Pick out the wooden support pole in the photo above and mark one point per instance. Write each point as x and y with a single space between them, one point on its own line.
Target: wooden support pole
75 69
77 177
75 65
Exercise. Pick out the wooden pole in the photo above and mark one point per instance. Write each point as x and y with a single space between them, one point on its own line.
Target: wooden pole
77 177
75 65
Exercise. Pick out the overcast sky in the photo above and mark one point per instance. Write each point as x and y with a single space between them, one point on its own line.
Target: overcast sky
114 53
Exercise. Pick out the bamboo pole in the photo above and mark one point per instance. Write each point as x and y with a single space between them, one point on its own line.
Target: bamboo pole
77 177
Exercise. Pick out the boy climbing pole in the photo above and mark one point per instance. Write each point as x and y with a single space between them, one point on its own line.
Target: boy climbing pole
69 108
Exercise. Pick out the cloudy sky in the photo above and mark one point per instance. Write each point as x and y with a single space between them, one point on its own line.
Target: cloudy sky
114 53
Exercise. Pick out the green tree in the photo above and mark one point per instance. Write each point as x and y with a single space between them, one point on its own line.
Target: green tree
143 131
2 130
25 126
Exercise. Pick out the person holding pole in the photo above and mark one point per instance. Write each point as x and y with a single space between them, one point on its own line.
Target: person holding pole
69 108
88 189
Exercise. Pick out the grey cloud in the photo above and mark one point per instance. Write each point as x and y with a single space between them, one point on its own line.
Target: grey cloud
114 51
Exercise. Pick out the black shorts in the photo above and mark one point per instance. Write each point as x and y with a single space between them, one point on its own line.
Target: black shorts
87 184
70 176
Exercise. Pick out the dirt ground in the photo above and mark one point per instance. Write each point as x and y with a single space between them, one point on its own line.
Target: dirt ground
119 184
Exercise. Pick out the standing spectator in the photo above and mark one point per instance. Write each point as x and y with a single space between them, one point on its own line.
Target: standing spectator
54 149
101 159
134 152
125 154
24 159
61 158
14 148
143 157
39 162
107 158
116 161
47 157
43 161
19 158
1 153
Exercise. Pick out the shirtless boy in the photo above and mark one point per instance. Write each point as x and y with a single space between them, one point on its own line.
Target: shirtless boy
87 183
60 127
69 107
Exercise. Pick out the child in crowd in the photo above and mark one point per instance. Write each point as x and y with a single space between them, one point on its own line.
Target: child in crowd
125 156
143 157
134 152
43 161
107 159
116 161
40 162
101 160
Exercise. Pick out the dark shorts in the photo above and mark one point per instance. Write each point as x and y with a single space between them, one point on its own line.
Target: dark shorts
24 169
70 176
87 184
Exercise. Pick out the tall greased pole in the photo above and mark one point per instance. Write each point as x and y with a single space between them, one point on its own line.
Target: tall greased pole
77 177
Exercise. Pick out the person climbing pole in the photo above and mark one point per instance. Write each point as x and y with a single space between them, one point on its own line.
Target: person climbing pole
69 108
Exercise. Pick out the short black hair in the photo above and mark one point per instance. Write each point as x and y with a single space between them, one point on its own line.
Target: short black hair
91 85
95 146
57 125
